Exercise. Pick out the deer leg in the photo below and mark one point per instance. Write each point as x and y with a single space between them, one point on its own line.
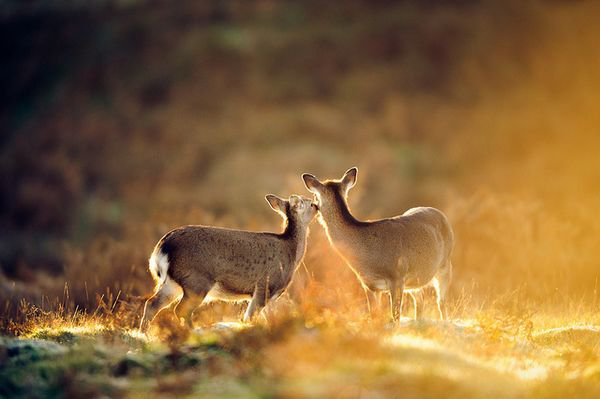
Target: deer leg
165 295
417 297
396 294
258 301
440 283
373 301
194 292
188 305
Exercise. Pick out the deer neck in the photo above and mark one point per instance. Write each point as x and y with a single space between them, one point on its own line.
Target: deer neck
295 233
338 220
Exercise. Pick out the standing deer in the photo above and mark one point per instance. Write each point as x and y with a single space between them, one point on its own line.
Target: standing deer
406 252
193 262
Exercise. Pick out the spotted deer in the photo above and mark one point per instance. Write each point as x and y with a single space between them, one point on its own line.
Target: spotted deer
398 254
193 263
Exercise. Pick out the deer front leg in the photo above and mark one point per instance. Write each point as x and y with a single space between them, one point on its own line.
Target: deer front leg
396 294
257 302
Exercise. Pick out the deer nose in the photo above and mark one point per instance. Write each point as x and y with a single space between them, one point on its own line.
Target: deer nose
315 206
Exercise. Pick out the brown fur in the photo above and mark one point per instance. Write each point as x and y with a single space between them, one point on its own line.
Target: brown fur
403 252
231 264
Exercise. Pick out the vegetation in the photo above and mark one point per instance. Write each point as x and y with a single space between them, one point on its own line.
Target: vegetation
121 120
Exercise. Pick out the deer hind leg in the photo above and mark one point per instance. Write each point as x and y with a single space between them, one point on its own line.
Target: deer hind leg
165 295
417 297
190 302
373 301
194 293
440 283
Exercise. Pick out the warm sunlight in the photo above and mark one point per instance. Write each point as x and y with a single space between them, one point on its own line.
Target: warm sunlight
300 199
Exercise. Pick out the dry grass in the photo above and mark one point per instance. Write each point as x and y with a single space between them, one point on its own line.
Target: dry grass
289 355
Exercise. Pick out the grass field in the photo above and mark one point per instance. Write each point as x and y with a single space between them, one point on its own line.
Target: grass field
123 120
291 356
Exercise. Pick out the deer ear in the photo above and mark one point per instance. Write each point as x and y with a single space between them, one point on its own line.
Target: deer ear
277 203
349 179
312 183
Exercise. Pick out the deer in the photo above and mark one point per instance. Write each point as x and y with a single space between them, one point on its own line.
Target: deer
194 264
395 255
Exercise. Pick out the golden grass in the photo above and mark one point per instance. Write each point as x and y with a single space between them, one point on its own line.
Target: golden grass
288 355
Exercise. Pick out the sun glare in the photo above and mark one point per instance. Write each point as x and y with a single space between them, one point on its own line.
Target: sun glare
89 328
519 365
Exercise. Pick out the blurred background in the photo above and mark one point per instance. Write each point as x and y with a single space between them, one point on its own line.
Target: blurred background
122 119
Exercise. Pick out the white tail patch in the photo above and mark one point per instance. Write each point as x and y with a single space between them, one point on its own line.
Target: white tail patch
159 265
